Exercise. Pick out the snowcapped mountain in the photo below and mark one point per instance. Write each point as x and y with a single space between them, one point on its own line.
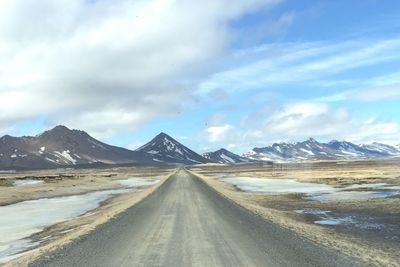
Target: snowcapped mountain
165 149
60 147
383 149
224 156
314 150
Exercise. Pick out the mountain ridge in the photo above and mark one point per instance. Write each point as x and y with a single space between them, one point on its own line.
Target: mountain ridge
64 147
60 147
314 150
223 155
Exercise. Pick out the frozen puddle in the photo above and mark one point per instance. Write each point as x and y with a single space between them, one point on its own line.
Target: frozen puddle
137 182
21 220
27 182
313 191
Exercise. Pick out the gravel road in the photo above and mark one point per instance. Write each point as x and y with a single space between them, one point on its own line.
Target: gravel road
186 223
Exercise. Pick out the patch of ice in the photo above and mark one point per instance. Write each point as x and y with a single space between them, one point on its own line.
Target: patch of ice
313 211
136 182
21 220
313 191
326 217
278 185
27 182
351 195
357 186
335 221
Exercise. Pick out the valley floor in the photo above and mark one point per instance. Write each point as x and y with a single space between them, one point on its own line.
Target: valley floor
197 217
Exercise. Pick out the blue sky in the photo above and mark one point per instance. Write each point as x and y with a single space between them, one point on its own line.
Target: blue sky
213 74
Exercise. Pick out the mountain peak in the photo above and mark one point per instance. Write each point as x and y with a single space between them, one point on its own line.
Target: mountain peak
61 127
162 134
164 148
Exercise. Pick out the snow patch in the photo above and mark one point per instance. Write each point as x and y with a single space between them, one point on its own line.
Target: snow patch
66 156
21 220
227 158
27 182
137 182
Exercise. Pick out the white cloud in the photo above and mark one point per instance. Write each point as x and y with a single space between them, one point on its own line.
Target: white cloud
108 65
298 121
379 93
371 94
217 134
291 63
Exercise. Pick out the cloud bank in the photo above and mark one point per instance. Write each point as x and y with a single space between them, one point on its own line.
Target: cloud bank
107 66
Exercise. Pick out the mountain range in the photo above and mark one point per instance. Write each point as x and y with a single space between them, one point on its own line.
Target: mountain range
314 150
63 147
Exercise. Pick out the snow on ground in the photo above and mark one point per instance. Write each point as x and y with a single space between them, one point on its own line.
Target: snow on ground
227 158
27 182
313 191
65 156
136 182
351 195
21 220
277 185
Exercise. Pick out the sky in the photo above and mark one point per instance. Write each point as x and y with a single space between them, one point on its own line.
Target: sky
212 73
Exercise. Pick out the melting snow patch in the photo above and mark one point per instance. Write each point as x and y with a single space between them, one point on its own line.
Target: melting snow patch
27 182
351 195
328 218
335 221
227 158
21 220
278 185
137 182
66 156
312 191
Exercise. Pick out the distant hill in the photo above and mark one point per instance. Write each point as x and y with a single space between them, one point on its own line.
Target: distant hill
165 149
314 150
